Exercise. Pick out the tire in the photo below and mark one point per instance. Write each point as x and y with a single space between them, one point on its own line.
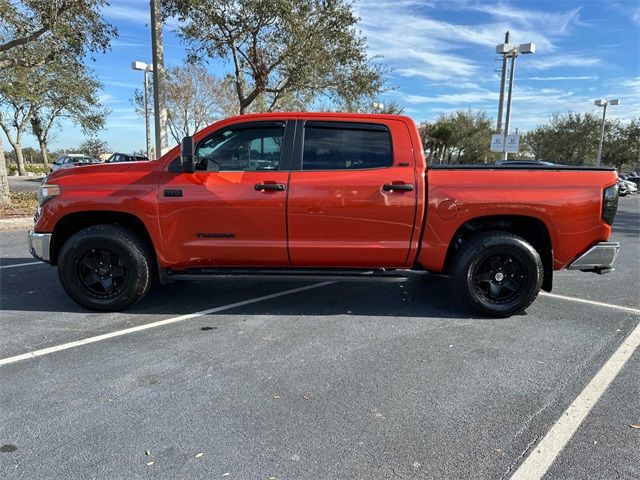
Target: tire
496 273
105 267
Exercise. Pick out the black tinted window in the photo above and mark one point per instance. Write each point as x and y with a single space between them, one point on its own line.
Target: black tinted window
333 147
243 149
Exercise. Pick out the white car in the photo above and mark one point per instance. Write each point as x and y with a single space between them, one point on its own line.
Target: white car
625 187
72 160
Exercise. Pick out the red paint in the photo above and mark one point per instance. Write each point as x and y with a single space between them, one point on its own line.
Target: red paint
327 218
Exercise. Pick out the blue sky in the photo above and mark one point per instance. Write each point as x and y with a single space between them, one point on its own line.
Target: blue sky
442 55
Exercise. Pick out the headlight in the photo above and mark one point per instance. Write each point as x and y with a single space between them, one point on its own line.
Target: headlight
47 192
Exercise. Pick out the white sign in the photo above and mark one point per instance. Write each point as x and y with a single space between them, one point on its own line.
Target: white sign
512 144
497 142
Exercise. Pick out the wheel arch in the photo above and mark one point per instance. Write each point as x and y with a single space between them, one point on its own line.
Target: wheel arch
74 222
531 229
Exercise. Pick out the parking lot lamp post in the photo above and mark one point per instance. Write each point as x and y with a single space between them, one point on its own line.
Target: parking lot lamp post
603 104
146 68
512 51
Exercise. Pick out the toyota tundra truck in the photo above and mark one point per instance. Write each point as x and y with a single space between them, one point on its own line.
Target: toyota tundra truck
328 195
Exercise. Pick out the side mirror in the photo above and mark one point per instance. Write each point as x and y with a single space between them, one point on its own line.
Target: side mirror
186 155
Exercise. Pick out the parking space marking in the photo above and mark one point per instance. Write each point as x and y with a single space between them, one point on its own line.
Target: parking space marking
21 265
545 453
147 326
592 302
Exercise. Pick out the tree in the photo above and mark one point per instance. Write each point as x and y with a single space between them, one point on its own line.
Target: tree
437 138
282 48
622 146
35 32
93 147
18 97
193 98
570 139
460 137
72 93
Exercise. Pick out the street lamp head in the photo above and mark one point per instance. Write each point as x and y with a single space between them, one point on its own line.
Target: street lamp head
505 48
137 65
603 102
526 48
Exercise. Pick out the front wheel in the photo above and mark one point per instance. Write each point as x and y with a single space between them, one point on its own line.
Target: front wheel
497 273
105 267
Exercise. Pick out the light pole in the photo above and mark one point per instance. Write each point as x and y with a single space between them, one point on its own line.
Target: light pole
157 50
503 76
603 103
146 68
512 52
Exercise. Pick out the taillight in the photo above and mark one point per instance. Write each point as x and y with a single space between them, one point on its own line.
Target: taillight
610 203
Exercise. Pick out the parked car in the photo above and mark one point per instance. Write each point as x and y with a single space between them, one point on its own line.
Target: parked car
626 187
125 157
72 160
327 195
632 177
533 163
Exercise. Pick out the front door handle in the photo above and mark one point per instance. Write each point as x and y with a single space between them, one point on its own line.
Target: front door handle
270 186
397 187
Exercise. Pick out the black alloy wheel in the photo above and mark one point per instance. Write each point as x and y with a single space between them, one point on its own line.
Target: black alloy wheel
499 278
496 273
101 273
106 267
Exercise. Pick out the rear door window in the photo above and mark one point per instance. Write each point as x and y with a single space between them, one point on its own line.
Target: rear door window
350 146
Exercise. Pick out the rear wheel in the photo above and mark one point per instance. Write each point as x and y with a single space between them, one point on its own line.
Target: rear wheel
497 273
105 267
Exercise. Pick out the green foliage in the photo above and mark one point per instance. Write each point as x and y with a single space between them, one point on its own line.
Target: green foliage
572 139
38 169
39 97
459 137
93 147
31 155
38 32
282 51
193 98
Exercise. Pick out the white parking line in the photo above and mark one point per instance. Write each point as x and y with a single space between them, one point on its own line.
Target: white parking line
545 453
147 326
592 302
21 265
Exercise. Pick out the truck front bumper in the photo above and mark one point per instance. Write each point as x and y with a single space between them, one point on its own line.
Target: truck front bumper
39 245
598 259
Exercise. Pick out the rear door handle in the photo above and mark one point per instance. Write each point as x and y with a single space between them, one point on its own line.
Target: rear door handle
397 187
270 186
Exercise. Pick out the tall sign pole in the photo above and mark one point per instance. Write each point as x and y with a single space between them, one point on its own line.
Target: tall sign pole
502 82
507 121
159 110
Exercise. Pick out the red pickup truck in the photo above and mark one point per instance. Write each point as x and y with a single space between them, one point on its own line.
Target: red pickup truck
321 194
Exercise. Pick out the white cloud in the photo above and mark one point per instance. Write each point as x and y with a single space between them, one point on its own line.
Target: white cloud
565 60
127 13
584 77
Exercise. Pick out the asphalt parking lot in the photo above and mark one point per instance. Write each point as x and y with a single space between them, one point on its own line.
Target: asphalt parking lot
336 380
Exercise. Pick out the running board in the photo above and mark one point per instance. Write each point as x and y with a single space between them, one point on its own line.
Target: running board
284 274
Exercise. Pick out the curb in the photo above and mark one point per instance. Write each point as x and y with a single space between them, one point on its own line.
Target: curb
18 223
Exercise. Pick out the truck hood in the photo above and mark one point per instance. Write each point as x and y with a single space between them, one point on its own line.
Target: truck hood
102 168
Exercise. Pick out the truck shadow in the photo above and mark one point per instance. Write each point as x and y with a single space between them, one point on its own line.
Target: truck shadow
37 289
